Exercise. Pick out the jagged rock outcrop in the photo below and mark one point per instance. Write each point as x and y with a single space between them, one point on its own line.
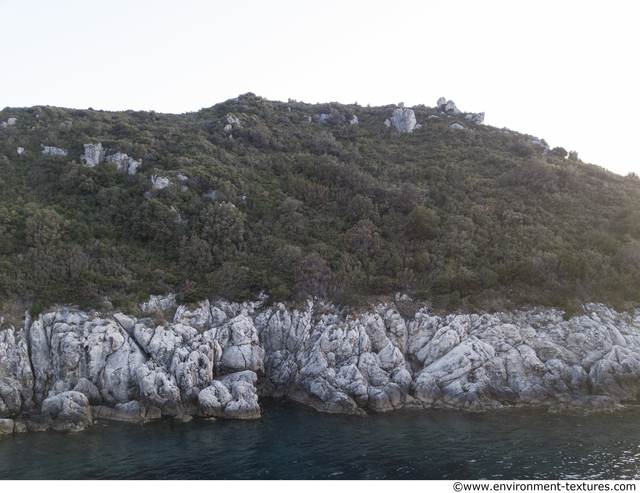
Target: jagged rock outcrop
477 118
214 360
403 119
93 154
232 396
54 151
16 375
160 182
70 411
450 107
126 164
10 121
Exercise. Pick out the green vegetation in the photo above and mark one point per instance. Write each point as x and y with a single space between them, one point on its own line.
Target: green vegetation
469 219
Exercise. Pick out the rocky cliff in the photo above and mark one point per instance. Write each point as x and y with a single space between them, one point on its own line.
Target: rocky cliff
65 368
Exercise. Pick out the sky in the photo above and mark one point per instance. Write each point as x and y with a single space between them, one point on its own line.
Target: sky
563 71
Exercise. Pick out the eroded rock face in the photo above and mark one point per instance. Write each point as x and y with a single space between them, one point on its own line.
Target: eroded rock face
93 154
69 411
214 360
55 151
233 396
126 164
160 182
16 376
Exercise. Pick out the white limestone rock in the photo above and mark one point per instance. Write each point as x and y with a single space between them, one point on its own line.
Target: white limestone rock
159 182
233 396
67 346
232 120
10 121
54 151
20 150
404 120
441 102
240 343
457 126
450 107
477 118
354 120
160 303
16 375
126 164
93 154
71 408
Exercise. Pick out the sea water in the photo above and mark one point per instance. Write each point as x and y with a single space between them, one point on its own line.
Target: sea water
291 441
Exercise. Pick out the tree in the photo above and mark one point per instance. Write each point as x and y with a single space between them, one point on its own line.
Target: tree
155 222
44 228
326 143
223 229
421 223
559 151
363 235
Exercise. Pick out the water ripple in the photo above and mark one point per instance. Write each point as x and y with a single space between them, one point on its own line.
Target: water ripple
293 442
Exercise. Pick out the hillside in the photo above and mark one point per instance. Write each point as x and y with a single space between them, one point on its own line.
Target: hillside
301 200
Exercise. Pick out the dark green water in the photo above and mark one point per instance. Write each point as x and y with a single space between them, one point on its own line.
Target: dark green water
293 442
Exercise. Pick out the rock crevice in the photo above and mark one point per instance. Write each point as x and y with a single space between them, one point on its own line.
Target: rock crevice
67 367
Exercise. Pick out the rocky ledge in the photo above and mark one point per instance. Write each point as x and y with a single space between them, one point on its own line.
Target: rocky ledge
66 368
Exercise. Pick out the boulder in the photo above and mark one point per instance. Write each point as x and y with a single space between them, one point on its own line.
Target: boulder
233 396
10 121
126 164
477 118
69 408
6 426
159 182
450 107
457 126
404 120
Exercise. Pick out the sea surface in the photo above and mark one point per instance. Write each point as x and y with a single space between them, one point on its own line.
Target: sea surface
294 442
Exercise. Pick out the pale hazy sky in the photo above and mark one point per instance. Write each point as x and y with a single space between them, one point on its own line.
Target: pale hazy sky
564 71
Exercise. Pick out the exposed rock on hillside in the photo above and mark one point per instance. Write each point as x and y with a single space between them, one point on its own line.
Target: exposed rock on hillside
451 107
477 118
55 151
403 119
93 154
10 121
125 163
160 182
215 360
